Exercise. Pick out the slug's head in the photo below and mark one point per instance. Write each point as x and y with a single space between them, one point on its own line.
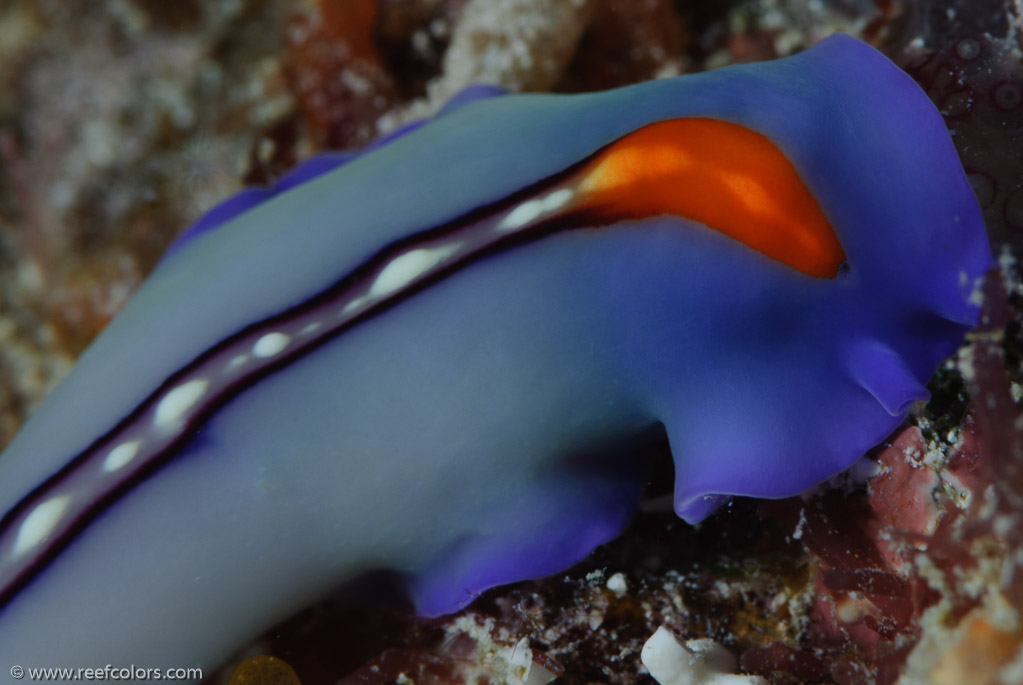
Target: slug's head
880 164
818 351
914 236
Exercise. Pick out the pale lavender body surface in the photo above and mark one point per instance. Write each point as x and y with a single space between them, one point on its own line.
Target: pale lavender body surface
474 434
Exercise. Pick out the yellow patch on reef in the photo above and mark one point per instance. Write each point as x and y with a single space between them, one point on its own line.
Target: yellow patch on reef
264 670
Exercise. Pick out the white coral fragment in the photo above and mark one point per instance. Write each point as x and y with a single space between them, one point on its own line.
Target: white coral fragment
498 659
695 662
524 670
617 584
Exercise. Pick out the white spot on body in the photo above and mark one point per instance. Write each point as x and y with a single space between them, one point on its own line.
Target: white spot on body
176 403
121 455
557 199
38 525
522 215
270 344
354 304
237 361
530 211
311 328
407 267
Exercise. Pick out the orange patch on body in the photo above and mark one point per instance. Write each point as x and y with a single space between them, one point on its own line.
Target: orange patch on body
722 175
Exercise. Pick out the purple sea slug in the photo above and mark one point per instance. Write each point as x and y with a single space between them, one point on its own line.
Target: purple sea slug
438 357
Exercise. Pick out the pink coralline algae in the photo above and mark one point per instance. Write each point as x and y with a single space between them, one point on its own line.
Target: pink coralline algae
916 575
919 578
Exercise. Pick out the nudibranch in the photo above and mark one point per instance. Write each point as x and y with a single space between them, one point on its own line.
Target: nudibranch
439 358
